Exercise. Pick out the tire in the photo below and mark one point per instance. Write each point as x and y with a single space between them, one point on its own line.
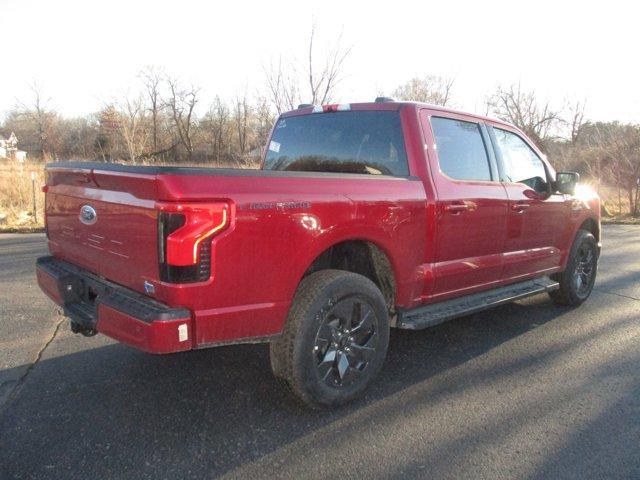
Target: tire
335 338
577 280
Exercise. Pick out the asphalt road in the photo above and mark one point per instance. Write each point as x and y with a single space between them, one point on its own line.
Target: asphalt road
528 390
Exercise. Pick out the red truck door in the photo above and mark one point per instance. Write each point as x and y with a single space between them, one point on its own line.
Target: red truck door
536 215
471 204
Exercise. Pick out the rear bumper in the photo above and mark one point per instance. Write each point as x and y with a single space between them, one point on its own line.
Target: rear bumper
95 304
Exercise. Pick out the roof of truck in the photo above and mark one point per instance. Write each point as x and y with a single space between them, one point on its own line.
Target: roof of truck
392 105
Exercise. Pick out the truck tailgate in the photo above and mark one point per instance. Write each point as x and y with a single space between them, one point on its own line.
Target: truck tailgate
105 222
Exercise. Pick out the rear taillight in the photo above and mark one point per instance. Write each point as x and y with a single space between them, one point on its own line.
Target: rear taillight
184 239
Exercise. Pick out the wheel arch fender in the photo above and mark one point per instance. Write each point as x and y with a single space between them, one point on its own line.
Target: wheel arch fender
366 255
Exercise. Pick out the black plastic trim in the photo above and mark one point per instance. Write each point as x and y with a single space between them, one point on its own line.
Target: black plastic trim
496 152
82 292
491 152
435 313
220 172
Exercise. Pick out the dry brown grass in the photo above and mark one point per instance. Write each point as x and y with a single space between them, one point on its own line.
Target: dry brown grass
16 194
16 203
616 204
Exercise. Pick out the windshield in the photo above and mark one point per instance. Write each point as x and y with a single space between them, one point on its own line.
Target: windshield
369 142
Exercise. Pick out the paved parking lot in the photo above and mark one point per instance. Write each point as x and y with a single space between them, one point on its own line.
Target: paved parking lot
525 391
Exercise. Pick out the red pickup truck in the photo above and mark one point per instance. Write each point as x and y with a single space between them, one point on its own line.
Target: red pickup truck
363 217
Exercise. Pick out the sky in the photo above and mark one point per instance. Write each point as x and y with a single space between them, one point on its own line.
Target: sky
84 53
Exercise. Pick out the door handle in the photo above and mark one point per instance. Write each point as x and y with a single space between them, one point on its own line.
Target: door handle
520 206
457 208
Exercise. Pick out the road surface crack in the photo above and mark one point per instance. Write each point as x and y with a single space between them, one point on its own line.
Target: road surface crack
616 294
23 378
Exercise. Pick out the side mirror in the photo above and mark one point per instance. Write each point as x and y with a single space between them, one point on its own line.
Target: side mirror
566 182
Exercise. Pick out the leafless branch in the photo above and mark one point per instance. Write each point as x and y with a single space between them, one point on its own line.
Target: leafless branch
181 103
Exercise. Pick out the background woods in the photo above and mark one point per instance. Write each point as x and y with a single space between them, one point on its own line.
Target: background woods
164 119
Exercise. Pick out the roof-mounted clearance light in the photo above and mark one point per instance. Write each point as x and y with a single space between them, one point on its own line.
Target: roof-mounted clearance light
335 107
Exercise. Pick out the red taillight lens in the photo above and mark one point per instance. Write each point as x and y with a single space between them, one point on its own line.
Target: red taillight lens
201 221
184 234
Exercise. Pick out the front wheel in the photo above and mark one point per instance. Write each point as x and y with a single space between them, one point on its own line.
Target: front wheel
335 339
577 280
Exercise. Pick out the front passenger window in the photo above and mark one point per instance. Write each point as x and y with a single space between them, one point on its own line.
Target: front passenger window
521 163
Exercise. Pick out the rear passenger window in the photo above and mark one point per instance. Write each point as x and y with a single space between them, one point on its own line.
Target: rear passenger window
461 150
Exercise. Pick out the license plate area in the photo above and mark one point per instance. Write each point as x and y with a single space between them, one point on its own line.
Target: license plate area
81 296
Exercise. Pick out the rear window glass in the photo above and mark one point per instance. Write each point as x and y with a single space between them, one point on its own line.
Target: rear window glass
369 142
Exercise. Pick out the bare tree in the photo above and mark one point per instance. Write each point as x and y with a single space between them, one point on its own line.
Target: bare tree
218 123
43 119
322 75
430 89
621 144
152 79
241 113
181 103
323 81
283 86
537 120
132 128
262 121
575 119
107 142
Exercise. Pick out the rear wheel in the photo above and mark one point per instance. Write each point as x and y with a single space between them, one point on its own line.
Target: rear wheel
335 339
577 280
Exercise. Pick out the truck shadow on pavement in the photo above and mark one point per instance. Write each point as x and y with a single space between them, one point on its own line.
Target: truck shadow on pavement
111 411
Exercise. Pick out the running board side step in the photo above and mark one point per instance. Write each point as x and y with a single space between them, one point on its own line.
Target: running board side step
435 313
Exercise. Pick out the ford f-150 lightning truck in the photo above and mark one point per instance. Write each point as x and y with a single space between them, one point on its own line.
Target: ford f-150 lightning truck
363 217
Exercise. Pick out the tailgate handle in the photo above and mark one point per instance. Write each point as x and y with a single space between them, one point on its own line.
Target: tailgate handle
90 177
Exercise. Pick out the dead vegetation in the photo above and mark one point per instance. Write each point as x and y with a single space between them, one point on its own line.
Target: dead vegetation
166 121
16 195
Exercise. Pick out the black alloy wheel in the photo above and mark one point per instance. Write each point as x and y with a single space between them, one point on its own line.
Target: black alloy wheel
346 342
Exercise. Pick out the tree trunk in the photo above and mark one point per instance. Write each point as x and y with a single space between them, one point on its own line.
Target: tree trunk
619 200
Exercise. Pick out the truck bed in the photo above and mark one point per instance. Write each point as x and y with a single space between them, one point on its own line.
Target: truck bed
275 215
